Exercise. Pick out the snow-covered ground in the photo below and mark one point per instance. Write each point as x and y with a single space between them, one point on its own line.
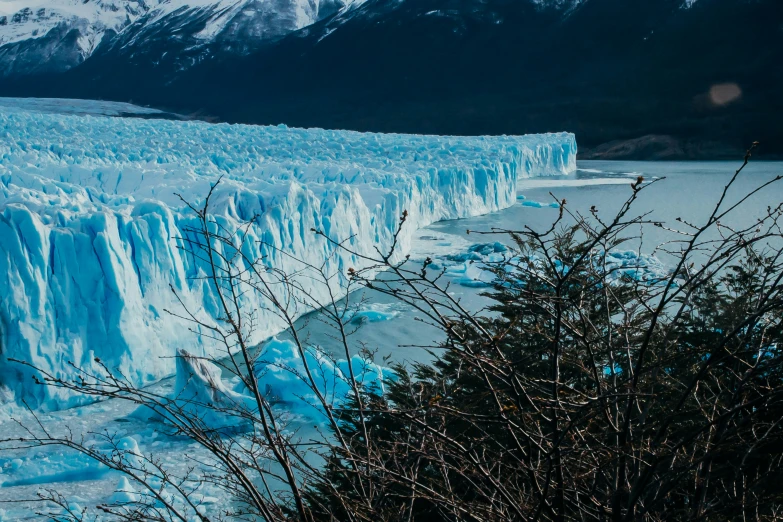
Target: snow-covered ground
92 222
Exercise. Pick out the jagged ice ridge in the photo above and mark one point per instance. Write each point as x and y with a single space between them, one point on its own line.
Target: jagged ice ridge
90 223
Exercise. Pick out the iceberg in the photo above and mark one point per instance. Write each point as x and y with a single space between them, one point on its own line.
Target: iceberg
92 224
201 393
281 372
474 267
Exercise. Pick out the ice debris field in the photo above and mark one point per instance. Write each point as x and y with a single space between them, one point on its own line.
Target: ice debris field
92 221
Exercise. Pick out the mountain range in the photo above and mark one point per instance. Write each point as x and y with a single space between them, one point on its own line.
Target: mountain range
661 79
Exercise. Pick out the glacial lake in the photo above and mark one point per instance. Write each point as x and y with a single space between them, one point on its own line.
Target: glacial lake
689 191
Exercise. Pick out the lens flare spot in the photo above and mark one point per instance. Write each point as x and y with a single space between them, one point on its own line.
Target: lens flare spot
724 93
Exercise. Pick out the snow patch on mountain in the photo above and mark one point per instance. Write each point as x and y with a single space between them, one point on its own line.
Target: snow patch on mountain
566 5
55 35
91 225
34 19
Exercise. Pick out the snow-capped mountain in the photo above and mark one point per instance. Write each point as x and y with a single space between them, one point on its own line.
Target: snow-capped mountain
39 36
20 21
54 35
180 33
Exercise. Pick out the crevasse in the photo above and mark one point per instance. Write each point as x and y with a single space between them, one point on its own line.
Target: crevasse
90 223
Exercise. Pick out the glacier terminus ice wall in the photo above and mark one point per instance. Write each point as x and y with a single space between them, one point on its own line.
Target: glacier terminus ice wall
90 223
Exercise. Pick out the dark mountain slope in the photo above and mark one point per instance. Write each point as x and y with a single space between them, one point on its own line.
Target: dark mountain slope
605 69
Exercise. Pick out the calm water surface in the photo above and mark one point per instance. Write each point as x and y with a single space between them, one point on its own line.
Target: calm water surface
689 190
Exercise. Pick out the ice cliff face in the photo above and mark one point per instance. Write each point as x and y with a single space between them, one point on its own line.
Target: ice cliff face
90 224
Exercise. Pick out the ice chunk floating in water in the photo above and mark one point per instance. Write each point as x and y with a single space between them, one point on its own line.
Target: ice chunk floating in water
281 371
90 222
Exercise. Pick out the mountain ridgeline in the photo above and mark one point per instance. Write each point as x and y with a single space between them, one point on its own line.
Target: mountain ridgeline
642 79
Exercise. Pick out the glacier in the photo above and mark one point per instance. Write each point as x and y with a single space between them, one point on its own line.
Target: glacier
91 224
82 107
